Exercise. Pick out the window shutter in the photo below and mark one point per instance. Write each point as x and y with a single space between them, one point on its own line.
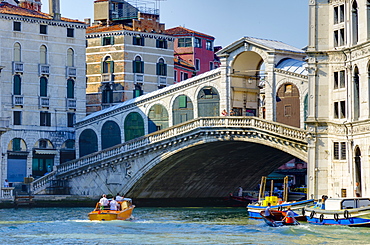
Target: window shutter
182 101
102 41
157 43
158 69
142 41
165 44
134 66
142 66
112 40
102 67
112 66
164 70
48 119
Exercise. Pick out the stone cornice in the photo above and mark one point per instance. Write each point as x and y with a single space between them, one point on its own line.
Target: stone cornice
290 73
131 33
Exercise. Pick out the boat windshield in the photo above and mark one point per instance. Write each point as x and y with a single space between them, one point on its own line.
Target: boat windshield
355 203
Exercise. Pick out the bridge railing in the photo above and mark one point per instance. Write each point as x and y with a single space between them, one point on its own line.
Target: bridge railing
211 122
41 183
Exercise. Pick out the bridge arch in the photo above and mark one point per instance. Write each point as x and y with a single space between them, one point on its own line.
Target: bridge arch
110 134
87 142
182 109
134 126
157 118
208 100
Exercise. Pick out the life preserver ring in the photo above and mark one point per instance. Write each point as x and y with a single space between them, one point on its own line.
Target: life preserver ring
303 212
336 217
346 214
312 214
280 208
321 218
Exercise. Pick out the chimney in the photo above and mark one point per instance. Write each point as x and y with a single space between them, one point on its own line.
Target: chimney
54 9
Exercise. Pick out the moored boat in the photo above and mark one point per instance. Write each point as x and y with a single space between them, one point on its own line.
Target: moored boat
278 219
124 213
340 211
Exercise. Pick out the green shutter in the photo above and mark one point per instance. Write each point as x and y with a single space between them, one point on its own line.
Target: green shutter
182 101
112 66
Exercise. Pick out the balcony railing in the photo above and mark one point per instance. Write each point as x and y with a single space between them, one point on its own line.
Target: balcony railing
71 103
17 67
44 102
162 80
17 100
44 69
139 78
106 77
71 71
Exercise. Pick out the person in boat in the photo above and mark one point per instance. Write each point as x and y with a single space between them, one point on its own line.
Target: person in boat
268 212
240 191
289 217
104 202
119 198
113 204
357 190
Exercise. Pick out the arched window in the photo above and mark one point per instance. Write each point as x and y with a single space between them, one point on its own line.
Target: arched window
70 88
17 89
157 118
208 102
43 54
17 52
107 94
70 58
356 94
138 65
161 68
88 142
43 87
354 22
134 126
110 135
107 65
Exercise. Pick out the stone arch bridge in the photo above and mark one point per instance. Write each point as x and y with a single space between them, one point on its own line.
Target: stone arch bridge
204 157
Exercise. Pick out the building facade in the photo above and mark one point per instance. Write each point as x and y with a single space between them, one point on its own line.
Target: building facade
339 97
127 54
42 88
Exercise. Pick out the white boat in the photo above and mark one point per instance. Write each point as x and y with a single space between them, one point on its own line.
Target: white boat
353 211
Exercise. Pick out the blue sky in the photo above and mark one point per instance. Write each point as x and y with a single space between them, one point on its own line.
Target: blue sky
227 20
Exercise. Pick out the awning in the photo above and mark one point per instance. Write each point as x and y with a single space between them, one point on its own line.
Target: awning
46 152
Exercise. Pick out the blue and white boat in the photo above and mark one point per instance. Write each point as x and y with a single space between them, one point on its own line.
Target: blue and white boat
353 211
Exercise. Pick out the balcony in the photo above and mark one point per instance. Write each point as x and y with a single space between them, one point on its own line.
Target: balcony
17 67
71 71
44 69
17 100
162 80
106 105
139 78
107 77
71 103
44 102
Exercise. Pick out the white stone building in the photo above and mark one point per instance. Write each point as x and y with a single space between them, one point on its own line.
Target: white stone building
42 88
339 97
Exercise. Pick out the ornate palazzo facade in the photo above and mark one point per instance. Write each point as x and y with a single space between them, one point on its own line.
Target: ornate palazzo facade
339 97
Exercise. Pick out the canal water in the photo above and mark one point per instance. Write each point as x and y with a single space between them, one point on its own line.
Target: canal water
163 226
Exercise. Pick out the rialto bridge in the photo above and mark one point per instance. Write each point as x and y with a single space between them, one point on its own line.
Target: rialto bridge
198 138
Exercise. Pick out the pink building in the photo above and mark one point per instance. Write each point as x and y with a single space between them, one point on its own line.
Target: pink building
192 49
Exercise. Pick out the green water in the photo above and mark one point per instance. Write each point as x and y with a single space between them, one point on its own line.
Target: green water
163 226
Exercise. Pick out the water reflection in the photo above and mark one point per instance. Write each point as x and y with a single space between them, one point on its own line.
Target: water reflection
162 226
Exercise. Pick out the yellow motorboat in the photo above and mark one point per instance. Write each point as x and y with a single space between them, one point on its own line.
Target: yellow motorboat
124 213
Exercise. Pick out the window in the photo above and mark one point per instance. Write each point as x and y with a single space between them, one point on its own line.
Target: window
17 116
340 150
160 43
288 110
16 26
210 65
138 91
161 68
339 79
17 85
43 54
108 65
184 42
182 101
45 118
70 58
107 41
209 45
175 76
340 109
186 76
197 64
138 65
137 40
107 94
43 144
16 144
197 42
70 119
354 20
70 88
43 29
336 110
70 32
43 87
17 52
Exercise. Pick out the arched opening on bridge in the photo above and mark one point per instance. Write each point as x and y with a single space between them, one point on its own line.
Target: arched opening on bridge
157 118
88 142
110 135
212 169
248 69
182 109
358 168
17 160
43 158
288 109
356 94
208 102
134 126
67 151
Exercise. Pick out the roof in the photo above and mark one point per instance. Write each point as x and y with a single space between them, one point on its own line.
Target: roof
182 62
182 31
293 65
149 95
7 8
103 28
